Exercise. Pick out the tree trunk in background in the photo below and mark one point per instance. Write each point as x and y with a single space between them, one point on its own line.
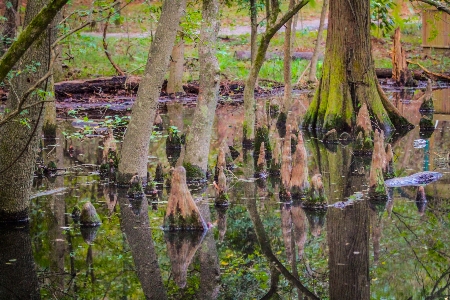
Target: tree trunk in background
175 81
134 154
199 135
348 77
19 143
254 29
287 72
10 25
49 127
273 25
315 57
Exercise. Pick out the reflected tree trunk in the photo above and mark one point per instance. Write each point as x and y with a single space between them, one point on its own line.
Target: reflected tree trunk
209 260
300 232
348 239
286 228
18 277
266 249
139 237
347 229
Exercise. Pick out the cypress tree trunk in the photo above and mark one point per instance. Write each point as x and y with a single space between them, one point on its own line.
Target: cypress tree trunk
199 135
19 143
348 77
135 147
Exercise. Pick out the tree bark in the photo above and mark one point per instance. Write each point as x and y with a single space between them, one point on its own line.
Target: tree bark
315 57
135 147
348 77
19 143
175 81
253 30
34 28
49 127
199 135
273 25
287 71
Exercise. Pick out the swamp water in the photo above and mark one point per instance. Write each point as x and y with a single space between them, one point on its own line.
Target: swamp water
370 249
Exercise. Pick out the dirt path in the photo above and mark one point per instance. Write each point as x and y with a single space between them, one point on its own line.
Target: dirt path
236 30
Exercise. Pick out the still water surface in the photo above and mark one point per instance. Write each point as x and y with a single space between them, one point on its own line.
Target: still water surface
369 250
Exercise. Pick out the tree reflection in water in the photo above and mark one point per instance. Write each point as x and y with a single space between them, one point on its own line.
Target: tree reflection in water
139 237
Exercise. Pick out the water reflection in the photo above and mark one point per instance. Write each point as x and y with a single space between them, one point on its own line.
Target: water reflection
257 246
135 228
18 276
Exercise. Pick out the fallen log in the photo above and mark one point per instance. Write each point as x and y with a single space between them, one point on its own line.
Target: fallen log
111 85
97 86
245 55
387 73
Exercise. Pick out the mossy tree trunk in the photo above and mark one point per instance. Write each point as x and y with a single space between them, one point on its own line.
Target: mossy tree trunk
35 26
315 57
19 143
135 147
348 76
199 135
273 25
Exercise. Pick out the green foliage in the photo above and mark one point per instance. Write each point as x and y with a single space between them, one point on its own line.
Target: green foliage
380 15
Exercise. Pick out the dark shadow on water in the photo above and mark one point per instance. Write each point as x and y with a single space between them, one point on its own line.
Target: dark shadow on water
18 277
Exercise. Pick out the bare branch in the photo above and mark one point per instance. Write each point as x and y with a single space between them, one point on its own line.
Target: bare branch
438 4
105 47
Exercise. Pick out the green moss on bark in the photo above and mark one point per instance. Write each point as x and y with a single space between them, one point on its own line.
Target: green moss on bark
194 173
